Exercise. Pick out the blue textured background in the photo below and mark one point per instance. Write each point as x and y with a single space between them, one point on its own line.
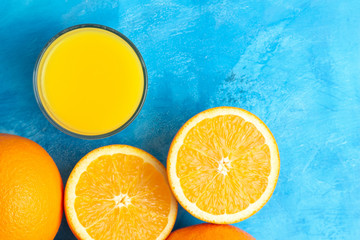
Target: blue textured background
294 63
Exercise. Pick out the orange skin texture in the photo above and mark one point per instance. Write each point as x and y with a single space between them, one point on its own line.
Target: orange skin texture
208 231
31 191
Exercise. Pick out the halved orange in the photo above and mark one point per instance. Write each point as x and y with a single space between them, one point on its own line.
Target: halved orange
223 165
119 192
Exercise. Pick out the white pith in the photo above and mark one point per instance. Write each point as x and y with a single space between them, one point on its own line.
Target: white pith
123 200
224 166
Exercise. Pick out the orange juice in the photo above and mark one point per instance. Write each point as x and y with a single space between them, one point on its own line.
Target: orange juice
90 81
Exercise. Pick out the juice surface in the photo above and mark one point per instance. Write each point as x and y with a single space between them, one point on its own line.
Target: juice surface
90 81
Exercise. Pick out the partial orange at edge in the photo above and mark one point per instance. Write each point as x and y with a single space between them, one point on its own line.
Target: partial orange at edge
206 231
31 190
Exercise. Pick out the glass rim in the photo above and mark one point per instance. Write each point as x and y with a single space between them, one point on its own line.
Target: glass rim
41 105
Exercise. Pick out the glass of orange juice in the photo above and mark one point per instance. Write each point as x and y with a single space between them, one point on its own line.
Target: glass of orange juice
90 81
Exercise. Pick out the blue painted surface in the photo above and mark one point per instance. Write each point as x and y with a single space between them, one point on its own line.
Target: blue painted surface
295 64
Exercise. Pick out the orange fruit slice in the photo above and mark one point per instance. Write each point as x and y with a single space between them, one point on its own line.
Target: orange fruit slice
223 165
208 231
119 192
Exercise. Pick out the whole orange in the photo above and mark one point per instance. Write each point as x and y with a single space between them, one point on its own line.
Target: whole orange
208 231
31 191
